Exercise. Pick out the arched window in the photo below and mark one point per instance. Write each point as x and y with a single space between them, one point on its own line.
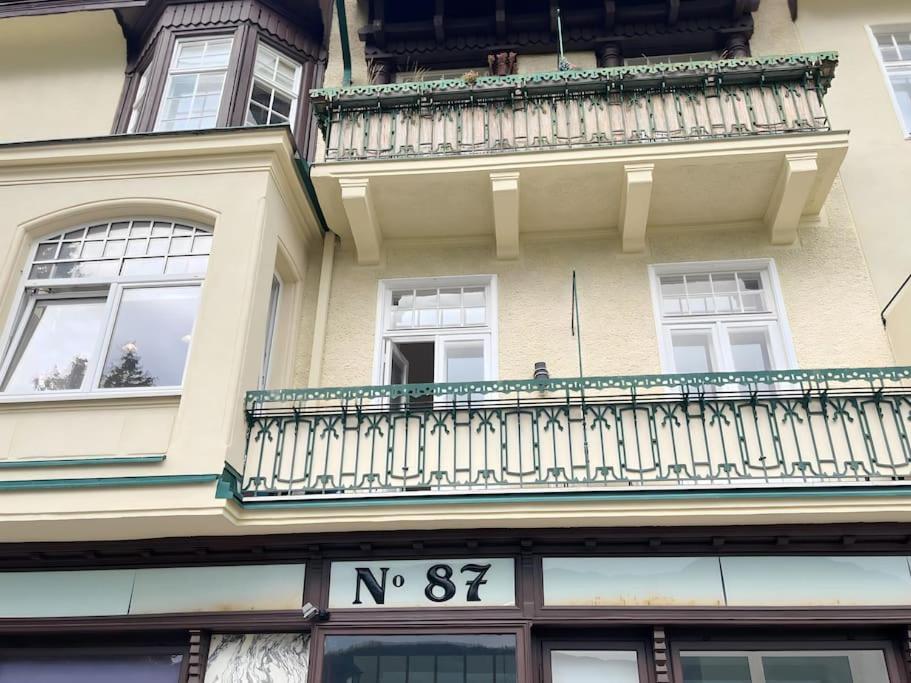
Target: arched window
107 307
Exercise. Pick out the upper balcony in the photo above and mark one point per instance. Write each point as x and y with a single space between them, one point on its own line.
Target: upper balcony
745 431
623 148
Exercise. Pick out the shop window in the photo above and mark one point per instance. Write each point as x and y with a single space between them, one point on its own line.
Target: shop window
810 666
75 666
437 330
420 659
108 306
594 666
720 317
894 47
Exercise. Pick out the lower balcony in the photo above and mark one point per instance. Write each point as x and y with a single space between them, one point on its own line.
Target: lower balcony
793 428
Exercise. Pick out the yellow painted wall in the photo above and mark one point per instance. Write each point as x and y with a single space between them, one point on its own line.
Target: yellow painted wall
878 165
60 75
824 266
233 190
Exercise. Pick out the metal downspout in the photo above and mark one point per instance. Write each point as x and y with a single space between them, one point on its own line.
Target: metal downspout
343 36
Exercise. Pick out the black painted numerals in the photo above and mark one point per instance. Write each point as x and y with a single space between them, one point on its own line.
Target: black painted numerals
441 588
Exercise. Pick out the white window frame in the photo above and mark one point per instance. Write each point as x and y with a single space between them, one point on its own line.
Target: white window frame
174 71
295 95
885 67
386 335
109 288
775 321
276 290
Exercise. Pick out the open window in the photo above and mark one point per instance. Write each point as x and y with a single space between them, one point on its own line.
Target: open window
437 330
106 307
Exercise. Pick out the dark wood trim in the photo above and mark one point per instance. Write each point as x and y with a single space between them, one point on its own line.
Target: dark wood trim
221 622
821 539
198 656
29 8
661 655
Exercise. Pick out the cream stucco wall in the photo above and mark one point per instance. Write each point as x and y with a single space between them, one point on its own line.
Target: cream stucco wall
878 164
60 75
243 185
619 337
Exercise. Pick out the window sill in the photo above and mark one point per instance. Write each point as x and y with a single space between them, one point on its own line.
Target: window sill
173 392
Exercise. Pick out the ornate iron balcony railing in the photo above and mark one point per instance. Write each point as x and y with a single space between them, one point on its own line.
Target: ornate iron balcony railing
783 428
581 108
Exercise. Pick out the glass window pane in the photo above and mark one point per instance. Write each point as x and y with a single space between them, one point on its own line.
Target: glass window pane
151 337
594 666
57 345
784 669
420 659
450 298
425 298
428 318
143 266
750 350
692 351
92 249
475 316
464 361
473 296
715 669
150 668
901 86
46 252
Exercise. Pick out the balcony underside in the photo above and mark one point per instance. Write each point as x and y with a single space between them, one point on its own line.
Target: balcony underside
763 181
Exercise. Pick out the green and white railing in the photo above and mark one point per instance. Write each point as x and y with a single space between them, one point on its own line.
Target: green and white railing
782 428
731 98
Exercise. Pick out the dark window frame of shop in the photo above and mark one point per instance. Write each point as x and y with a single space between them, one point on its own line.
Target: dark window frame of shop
658 634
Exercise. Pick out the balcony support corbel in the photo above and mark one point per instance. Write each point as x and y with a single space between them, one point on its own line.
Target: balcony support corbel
505 190
790 196
634 205
358 204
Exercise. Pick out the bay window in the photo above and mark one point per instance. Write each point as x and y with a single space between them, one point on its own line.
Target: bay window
720 317
107 306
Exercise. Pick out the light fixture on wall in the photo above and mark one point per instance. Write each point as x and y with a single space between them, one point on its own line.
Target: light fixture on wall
541 371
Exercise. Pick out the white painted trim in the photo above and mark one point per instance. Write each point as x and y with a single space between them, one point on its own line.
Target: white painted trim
383 299
776 320
871 36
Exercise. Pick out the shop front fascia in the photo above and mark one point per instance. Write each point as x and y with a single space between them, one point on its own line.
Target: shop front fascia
644 605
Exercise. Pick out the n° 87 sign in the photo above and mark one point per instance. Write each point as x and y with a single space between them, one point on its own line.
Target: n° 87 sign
423 583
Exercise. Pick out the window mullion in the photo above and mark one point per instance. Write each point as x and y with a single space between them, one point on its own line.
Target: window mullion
94 372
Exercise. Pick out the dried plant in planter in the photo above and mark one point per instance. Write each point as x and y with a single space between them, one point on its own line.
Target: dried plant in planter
470 77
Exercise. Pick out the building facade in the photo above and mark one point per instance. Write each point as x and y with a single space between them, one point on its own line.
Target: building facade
477 342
